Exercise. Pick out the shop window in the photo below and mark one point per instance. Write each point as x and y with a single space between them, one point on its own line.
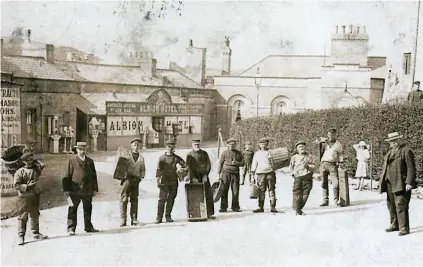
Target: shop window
195 124
54 124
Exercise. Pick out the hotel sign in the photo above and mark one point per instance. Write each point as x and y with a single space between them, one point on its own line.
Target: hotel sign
136 108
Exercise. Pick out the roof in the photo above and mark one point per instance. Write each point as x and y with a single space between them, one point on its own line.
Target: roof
99 99
287 66
176 78
299 66
122 74
32 67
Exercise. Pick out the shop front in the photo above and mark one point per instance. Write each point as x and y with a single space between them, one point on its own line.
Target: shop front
152 121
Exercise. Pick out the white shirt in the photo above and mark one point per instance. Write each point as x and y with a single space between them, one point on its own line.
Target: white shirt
82 158
333 153
261 162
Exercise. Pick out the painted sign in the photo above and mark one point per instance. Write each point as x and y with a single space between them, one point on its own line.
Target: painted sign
7 186
127 125
133 108
10 119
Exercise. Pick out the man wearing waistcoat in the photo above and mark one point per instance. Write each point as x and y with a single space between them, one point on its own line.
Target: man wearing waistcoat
130 185
80 184
167 181
229 164
199 166
398 178
331 160
266 177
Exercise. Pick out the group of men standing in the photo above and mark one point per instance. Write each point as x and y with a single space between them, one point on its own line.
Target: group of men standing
80 184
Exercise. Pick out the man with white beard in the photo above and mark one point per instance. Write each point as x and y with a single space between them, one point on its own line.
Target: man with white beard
199 166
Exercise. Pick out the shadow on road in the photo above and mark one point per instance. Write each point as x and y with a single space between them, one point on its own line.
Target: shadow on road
340 210
366 201
417 229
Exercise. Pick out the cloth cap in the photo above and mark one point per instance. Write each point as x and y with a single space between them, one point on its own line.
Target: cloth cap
170 142
300 143
248 143
264 140
332 130
196 141
231 140
81 144
26 155
417 82
393 136
136 139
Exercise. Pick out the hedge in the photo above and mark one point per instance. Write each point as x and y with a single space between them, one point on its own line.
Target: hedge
370 123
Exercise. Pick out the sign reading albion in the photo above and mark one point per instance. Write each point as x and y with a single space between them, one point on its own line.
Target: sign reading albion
121 108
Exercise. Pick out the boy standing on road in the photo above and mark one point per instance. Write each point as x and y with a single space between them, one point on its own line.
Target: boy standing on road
248 159
302 170
26 183
167 181
130 185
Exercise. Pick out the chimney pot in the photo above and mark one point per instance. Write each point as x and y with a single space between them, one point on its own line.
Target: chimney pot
351 28
50 53
358 29
190 43
343 29
1 47
28 34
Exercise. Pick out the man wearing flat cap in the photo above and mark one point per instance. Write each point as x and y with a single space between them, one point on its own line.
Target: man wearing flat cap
130 184
397 179
80 184
416 95
199 166
332 158
228 170
167 181
266 177
247 155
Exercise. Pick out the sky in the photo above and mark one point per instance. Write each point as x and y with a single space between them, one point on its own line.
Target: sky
256 28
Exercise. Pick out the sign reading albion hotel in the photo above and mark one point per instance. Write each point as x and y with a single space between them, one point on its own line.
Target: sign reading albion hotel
128 119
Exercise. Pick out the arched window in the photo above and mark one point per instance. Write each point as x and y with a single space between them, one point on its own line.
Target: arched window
237 110
280 108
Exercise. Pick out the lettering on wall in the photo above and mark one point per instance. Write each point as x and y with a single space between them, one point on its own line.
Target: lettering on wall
133 108
10 119
126 125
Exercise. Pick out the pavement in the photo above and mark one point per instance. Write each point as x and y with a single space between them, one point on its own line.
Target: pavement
327 236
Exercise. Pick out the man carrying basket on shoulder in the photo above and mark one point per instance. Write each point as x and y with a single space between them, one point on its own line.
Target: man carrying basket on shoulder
266 177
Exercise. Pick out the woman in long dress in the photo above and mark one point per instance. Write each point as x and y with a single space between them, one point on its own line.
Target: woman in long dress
363 156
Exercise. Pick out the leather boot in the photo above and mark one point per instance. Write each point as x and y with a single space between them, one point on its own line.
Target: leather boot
273 206
160 211
123 211
134 213
35 225
325 198
299 205
169 207
336 196
261 207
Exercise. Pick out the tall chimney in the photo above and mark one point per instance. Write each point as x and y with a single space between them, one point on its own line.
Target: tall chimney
343 29
154 67
50 53
351 28
28 35
1 47
358 29
190 43
203 67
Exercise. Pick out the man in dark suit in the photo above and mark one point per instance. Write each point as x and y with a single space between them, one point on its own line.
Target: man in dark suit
397 179
80 184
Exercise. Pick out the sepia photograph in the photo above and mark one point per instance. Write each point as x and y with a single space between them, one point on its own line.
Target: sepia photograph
211 133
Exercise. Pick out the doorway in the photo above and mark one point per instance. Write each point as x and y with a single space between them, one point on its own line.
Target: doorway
158 126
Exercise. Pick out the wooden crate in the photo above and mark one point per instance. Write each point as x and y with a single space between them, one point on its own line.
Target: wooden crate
121 167
196 202
344 190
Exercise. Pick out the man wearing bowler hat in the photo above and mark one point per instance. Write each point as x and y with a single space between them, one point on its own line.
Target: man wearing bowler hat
266 177
130 185
167 181
397 179
332 159
80 184
229 164
199 166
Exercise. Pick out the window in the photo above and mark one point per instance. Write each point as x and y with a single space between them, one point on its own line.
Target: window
237 109
280 108
31 122
407 63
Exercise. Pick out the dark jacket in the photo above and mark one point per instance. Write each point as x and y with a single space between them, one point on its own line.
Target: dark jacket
166 168
80 176
400 168
198 163
230 161
248 156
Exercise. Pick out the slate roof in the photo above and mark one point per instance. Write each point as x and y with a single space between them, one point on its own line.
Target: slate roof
300 66
32 67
